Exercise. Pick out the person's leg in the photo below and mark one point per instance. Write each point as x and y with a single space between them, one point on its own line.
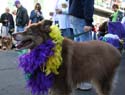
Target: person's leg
95 35
74 23
4 31
78 25
71 33
5 35
67 33
64 33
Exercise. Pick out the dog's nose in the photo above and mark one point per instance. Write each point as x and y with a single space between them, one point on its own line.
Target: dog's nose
17 36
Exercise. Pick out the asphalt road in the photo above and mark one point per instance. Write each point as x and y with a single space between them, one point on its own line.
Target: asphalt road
12 81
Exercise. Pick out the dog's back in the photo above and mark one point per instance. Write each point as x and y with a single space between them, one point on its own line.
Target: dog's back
94 58
94 61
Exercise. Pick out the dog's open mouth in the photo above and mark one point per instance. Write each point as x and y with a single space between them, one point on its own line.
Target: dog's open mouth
24 44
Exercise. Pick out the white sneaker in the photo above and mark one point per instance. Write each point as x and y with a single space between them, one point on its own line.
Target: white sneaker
85 86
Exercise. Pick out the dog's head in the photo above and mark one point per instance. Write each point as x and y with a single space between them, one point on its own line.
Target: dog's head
33 35
6 42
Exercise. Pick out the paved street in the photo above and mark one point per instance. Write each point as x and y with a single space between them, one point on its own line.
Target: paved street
12 81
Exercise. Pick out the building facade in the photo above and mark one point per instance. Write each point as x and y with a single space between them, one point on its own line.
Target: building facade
103 9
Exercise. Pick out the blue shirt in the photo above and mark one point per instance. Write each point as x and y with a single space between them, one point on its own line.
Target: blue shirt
34 17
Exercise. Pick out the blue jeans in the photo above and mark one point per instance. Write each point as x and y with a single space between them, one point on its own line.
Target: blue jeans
67 33
94 37
20 29
78 25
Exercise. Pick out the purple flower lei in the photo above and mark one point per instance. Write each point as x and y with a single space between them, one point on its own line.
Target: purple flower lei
33 64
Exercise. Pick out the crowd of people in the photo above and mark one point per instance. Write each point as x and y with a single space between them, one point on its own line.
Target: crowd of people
22 20
113 30
69 15
72 16
75 20
65 16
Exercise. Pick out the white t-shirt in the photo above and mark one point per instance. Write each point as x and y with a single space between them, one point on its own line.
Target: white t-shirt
63 19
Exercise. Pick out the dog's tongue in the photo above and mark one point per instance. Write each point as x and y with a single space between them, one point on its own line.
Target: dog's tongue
19 45
23 44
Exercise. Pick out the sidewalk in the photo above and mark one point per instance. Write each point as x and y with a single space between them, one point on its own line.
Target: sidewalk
120 85
12 81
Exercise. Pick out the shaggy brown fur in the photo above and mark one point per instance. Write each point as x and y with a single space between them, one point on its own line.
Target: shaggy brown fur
94 61
5 43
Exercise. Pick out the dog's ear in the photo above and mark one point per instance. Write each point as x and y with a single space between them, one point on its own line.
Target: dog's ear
47 22
45 25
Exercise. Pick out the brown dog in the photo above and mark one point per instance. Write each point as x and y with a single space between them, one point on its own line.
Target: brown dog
5 43
94 61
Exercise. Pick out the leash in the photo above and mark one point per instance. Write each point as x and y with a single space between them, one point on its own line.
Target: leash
71 37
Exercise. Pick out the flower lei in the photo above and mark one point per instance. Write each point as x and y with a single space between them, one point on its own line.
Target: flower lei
43 62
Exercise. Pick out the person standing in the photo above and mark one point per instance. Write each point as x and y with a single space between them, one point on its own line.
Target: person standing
63 18
7 23
22 18
36 14
7 29
81 16
117 15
